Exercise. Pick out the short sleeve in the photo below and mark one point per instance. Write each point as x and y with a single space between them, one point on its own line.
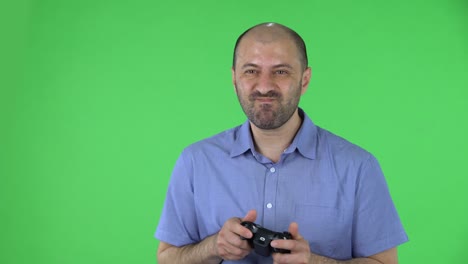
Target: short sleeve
178 223
376 224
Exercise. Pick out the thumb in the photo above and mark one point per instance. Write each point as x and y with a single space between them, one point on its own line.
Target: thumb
294 230
251 216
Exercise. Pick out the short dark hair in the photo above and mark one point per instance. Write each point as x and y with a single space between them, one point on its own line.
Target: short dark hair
300 44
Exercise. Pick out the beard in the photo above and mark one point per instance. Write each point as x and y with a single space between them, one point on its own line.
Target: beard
273 114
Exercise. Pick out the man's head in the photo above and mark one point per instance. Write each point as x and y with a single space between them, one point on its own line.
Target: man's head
270 73
274 27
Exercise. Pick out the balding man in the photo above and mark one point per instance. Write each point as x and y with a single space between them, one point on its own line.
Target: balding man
278 170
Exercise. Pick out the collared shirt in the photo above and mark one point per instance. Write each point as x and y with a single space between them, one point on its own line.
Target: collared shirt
333 189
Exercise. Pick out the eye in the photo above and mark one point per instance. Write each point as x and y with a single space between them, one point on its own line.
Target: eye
281 72
250 71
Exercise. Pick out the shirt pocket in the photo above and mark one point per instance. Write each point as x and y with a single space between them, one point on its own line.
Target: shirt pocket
321 226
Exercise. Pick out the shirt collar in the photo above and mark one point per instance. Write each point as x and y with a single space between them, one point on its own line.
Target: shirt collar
305 140
243 140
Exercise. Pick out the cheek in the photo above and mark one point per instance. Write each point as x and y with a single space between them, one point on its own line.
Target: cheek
240 92
243 86
245 82
295 90
286 81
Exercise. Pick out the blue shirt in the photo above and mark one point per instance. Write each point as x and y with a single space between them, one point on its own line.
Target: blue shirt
333 189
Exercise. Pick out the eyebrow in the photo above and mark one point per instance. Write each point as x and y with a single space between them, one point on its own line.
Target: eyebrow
247 65
282 65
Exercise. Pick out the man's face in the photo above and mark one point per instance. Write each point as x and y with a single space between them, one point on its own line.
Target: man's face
269 80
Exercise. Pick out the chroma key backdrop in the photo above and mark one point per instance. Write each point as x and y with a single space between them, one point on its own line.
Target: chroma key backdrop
98 99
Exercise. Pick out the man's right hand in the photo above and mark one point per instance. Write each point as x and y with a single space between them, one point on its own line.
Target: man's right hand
229 244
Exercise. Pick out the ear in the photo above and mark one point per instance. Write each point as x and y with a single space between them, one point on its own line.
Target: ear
233 73
306 79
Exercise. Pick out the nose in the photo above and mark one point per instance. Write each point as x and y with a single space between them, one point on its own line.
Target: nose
265 83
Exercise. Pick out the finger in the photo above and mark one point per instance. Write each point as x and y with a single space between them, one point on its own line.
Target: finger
290 244
234 227
251 216
238 252
294 230
236 246
283 244
230 246
233 254
237 242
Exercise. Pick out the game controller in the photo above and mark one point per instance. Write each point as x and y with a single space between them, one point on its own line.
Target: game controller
262 237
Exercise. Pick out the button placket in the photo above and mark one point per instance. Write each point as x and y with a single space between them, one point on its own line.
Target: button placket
271 184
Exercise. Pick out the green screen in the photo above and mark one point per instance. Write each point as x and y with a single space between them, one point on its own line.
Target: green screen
98 98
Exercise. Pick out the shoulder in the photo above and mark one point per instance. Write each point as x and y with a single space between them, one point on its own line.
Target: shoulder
216 144
339 147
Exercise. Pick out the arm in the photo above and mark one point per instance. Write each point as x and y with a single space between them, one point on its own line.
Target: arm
203 252
385 257
226 244
300 253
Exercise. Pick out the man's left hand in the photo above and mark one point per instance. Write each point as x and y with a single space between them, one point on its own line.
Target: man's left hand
300 250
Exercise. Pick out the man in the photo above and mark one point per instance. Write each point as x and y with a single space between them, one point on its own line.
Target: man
278 170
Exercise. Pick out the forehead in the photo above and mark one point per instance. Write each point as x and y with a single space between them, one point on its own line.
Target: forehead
267 50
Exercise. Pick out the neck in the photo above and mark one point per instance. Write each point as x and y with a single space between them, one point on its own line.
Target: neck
272 143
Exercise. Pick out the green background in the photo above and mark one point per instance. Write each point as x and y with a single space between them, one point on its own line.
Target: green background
98 98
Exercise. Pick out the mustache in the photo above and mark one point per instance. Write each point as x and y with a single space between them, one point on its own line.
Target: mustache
269 94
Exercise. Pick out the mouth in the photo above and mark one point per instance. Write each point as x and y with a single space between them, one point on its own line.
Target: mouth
265 99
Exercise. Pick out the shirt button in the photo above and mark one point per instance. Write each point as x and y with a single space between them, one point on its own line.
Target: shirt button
272 169
269 205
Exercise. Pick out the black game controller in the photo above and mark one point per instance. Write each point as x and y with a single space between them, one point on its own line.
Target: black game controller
262 237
